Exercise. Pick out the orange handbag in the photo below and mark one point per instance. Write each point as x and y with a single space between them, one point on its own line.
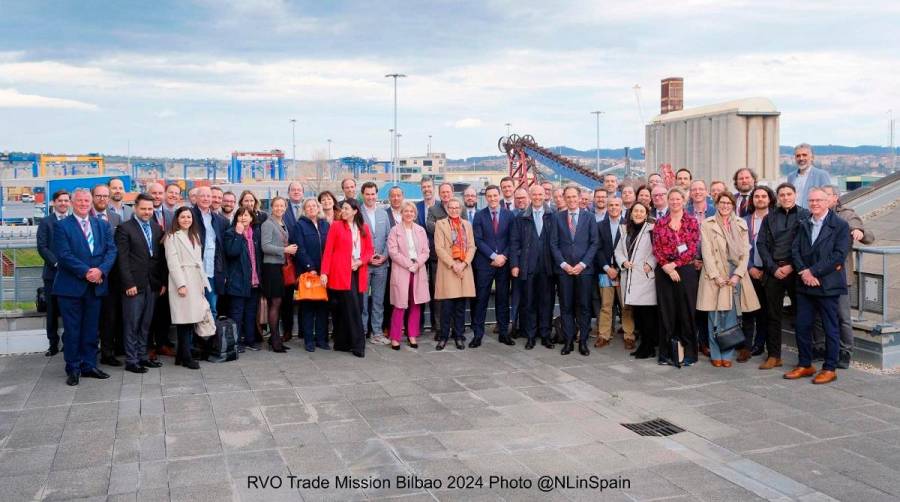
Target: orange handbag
310 288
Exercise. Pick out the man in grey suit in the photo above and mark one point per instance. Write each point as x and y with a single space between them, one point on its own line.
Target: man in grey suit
61 201
807 176
116 200
436 212
111 326
377 220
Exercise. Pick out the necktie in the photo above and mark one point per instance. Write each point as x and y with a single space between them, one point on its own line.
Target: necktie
496 223
572 223
745 199
296 212
538 221
160 219
471 214
148 235
88 234
614 230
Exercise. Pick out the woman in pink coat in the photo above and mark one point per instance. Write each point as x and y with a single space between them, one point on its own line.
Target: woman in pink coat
408 249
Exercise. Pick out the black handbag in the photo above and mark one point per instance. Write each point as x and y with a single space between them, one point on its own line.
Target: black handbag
729 337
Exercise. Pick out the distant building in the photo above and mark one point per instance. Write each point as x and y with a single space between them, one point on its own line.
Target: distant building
714 141
413 168
672 95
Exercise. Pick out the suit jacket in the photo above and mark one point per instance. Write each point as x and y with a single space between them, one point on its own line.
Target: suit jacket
291 223
167 217
45 245
338 253
219 226
238 272
112 218
464 213
137 268
606 250
75 257
817 178
582 248
825 257
380 228
529 251
435 213
391 220
126 214
311 244
421 216
486 240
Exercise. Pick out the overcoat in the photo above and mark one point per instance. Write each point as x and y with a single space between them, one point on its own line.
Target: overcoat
397 249
637 287
713 248
447 284
186 269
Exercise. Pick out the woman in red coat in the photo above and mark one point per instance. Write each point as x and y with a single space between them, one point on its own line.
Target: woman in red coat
344 272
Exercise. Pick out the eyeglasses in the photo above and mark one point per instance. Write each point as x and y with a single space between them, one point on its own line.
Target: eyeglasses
101 196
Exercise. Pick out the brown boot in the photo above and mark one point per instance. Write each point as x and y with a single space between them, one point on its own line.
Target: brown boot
772 362
600 343
800 372
743 355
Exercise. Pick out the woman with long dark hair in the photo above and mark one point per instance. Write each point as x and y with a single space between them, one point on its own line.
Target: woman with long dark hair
249 200
276 249
311 238
344 272
638 283
644 195
328 202
187 282
676 238
243 258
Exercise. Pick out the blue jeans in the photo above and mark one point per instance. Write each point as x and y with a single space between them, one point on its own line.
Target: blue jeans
378 277
211 297
725 319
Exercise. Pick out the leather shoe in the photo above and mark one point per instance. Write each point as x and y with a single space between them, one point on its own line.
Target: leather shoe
629 344
547 343
52 351
529 345
583 349
95 373
825 376
134 368
716 362
567 349
460 345
772 362
844 360
72 380
506 340
726 363
600 343
474 344
191 365
110 361
150 364
800 372
165 350
441 344
743 355
704 350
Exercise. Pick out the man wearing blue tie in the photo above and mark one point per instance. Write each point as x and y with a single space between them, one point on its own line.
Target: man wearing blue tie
491 228
573 245
531 268
85 252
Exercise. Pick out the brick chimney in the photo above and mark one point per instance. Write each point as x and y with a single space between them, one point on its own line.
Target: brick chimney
672 96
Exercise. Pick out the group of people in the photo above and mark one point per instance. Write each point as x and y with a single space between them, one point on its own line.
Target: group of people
682 265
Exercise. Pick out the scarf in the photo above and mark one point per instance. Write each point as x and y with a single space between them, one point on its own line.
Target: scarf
459 238
254 277
631 239
737 246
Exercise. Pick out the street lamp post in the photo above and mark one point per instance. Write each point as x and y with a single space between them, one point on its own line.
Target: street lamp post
598 113
330 170
395 76
429 145
507 129
294 146
393 146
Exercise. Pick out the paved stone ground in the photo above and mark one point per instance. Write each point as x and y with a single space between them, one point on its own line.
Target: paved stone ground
196 435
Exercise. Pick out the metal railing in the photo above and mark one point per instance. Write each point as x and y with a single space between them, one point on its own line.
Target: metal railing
872 289
20 272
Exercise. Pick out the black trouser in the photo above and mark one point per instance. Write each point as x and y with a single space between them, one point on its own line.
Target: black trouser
756 321
434 306
536 306
111 341
288 311
646 323
453 315
52 315
348 328
677 303
137 312
185 334
775 290
159 327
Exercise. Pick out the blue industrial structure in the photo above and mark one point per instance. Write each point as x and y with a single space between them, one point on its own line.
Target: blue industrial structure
357 165
14 158
269 164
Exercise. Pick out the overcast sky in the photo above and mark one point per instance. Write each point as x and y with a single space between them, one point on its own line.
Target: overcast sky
205 77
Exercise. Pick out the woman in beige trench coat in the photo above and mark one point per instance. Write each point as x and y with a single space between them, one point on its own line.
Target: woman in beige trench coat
454 245
187 282
725 248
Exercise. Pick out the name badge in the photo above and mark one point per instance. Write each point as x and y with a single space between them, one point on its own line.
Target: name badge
681 248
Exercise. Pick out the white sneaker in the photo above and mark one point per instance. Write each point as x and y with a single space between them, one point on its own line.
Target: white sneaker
379 340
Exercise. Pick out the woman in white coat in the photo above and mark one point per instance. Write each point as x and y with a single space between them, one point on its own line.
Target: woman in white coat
638 286
187 282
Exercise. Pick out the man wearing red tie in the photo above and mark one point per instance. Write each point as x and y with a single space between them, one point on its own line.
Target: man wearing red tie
84 248
744 181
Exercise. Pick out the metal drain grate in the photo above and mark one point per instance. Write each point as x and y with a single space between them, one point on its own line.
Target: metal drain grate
656 427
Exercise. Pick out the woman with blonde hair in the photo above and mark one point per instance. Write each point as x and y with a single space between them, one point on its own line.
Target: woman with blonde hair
454 244
408 249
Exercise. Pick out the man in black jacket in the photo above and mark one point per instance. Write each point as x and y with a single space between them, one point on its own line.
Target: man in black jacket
531 267
819 251
142 275
60 210
776 236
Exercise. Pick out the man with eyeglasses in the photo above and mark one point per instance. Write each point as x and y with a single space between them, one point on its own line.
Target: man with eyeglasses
660 202
111 341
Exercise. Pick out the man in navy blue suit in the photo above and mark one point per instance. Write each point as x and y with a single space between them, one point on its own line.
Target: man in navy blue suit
45 230
819 252
211 227
491 228
85 251
289 309
531 267
573 245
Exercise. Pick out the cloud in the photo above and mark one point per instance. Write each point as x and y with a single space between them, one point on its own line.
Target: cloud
165 113
467 123
11 98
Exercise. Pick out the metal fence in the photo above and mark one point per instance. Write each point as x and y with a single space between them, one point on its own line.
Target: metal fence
870 292
20 273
